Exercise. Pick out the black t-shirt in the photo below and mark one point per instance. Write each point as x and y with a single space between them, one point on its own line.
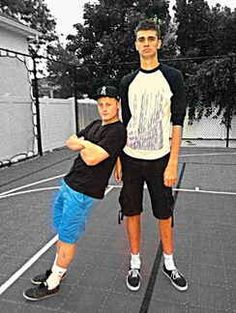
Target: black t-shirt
92 180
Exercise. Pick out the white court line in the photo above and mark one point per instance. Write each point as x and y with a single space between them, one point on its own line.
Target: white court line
34 258
59 176
194 190
27 265
27 191
37 190
206 191
31 184
207 154
231 193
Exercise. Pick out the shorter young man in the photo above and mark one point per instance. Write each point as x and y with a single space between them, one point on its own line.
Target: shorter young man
99 145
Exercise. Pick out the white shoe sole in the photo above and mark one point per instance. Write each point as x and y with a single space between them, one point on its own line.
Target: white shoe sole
38 299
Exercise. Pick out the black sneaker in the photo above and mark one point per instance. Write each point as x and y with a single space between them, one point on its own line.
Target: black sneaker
177 279
41 278
40 292
133 279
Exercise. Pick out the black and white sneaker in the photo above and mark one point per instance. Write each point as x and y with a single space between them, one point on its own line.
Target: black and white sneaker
177 279
40 292
133 279
41 278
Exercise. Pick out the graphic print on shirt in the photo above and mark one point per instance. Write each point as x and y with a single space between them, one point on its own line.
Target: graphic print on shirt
149 101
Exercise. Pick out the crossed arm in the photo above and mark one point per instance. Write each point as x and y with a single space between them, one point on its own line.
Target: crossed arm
91 153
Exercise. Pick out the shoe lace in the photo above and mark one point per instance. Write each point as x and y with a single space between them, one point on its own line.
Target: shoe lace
134 272
175 274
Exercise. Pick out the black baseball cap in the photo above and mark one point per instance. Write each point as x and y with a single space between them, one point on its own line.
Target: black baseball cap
107 91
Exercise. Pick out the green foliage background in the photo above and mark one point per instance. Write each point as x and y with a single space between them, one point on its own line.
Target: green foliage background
200 41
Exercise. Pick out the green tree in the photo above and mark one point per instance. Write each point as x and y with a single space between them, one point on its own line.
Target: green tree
222 39
33 13
212 90
193 19
104 43
210 82
65 73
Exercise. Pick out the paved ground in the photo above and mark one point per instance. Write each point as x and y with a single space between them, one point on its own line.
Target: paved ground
205 235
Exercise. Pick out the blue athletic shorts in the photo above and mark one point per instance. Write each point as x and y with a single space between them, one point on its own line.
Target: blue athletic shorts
70 212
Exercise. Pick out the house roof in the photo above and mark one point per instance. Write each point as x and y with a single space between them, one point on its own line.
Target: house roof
14 25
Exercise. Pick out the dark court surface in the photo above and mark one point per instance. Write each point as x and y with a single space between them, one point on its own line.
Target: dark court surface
205 241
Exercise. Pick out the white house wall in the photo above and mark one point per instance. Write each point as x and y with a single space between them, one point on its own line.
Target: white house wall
14 78
13 41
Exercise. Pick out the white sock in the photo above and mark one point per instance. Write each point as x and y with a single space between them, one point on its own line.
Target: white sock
135 261
169 262
54 279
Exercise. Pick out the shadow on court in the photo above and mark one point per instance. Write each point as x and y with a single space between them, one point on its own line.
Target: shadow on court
205 241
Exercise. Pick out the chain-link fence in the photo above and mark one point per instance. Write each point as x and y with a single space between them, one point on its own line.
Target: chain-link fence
33 121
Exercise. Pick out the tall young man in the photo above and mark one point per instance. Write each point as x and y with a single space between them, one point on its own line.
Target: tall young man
99 145
153 104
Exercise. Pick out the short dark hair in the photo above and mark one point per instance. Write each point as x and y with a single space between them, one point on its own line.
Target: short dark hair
148 24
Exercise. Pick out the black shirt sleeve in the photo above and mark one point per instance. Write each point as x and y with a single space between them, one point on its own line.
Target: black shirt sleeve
83 132
113 139
178 101
124 91
125 111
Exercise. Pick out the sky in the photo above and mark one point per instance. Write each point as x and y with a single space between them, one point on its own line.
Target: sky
69 12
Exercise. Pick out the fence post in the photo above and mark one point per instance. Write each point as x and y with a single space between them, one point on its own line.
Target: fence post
228 123
227 128
231 98
75 100
36 95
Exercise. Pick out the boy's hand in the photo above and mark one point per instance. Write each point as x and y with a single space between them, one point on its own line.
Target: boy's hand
118 171
74 143
170 174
